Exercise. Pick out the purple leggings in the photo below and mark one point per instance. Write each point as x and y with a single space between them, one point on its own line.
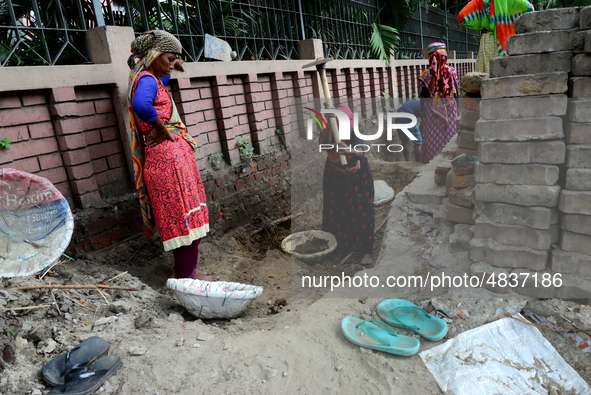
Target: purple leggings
185 260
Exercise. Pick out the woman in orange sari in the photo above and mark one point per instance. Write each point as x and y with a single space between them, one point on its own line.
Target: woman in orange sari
166 175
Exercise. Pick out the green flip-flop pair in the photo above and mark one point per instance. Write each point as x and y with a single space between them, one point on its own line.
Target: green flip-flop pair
379 336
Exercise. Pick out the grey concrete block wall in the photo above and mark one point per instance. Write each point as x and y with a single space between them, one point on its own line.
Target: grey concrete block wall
525 85
553 19
575 199
533 174
525 125
541 42
518 174
505 66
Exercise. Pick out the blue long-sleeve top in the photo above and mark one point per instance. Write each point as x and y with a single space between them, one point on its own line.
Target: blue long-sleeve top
144 96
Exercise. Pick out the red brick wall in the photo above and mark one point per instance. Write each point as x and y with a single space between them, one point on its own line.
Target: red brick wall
69 136
26 120
72 136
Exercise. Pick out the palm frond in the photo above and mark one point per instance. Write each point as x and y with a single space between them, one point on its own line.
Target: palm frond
383 42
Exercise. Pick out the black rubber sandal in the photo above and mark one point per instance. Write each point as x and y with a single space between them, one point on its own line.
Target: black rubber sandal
80 356
83 381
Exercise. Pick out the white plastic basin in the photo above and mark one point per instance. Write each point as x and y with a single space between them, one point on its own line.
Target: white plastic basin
206 299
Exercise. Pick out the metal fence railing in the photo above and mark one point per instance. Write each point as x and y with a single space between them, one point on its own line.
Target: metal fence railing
53 32
344 27
430 24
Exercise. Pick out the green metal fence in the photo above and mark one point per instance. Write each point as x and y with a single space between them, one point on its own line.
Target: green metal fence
35 32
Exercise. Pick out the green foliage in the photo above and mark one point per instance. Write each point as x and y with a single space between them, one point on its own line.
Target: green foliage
246 151
5 143
216 160
281 137
41 47
401 12
383 42
386 102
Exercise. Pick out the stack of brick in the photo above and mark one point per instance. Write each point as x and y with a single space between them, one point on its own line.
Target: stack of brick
574 254
521 143
460 179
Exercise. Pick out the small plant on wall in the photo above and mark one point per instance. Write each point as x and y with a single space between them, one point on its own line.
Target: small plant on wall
281 137
5 143
244 147
216 160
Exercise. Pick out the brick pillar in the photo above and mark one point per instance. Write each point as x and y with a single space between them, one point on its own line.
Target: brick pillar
281 104
312 49
111 44
299 88
72 145
351 88
363 88
391 82
338 84
373 88
226 120
258 123
393 78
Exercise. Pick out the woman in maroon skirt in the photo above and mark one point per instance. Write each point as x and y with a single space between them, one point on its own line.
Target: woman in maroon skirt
348 209
166 174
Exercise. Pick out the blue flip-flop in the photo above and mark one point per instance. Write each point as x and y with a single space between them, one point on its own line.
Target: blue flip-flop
404 314
378 336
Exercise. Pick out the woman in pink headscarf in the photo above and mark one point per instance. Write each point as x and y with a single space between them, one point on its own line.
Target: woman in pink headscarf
439 83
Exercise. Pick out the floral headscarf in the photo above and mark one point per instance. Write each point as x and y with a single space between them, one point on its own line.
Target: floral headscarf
439 78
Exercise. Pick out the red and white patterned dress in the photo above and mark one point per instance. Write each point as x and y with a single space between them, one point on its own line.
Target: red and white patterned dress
173 181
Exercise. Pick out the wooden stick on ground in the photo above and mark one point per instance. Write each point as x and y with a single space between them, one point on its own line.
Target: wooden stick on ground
277 221
109 352
55 301
26 308
75 301
59 262
113 278
574 326
347 257
29 287
103 295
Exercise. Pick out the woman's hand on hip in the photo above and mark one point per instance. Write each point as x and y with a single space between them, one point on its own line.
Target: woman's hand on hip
158 136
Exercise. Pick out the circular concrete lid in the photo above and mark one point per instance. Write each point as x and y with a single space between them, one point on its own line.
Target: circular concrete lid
36 223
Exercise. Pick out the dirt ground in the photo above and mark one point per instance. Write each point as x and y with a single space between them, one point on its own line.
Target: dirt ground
282 344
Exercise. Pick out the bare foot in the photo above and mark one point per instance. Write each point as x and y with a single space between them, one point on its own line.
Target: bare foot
203 276
366 260
200 275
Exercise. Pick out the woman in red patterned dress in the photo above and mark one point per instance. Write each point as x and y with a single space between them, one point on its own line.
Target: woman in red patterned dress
439 83
166 174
